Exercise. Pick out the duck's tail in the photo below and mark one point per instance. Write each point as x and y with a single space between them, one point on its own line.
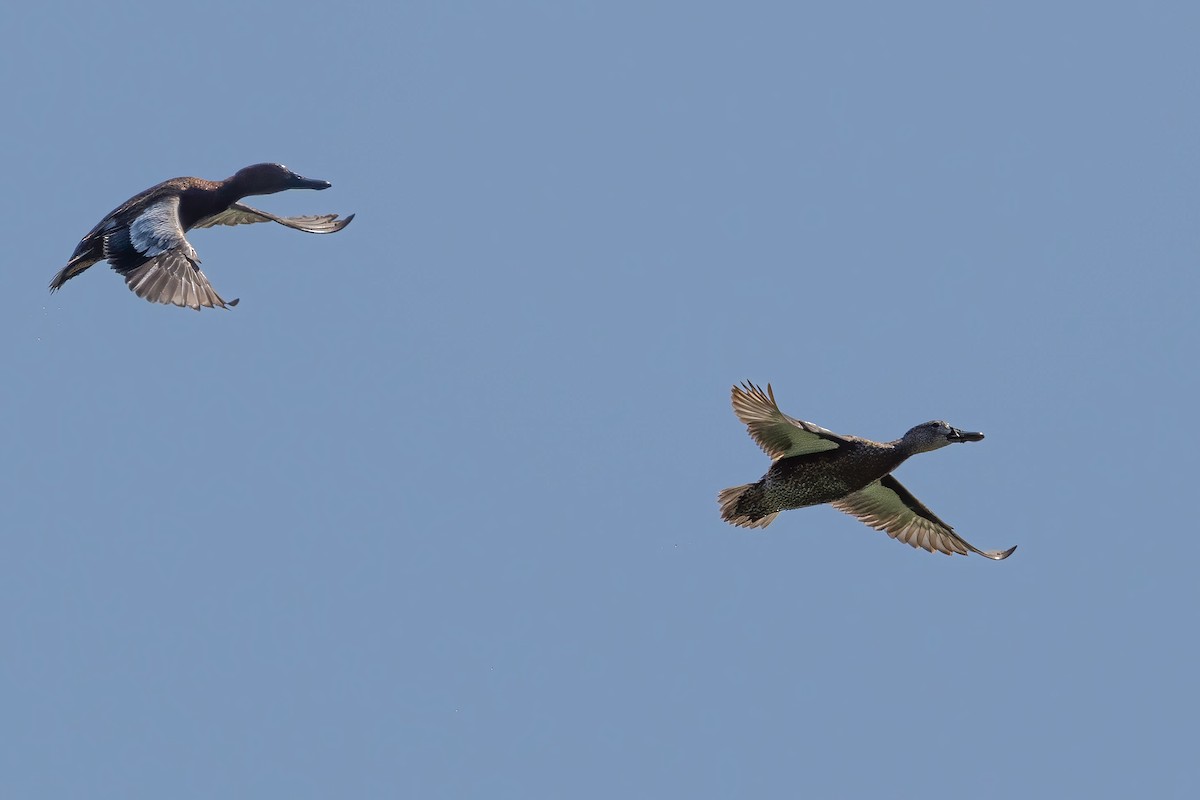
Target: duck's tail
744 506
75 266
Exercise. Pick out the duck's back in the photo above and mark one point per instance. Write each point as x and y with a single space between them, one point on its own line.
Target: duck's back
124 214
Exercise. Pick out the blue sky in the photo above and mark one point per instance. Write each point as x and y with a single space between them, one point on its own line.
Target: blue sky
432 512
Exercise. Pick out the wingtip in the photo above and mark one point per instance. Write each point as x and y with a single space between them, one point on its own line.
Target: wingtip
1000 555
748 388
336 224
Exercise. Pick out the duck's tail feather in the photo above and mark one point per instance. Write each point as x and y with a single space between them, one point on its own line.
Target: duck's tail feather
75 266
743 506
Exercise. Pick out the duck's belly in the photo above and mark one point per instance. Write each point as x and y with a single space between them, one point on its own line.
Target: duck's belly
795 485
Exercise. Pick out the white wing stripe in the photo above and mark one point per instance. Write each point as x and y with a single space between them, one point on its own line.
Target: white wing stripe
157 230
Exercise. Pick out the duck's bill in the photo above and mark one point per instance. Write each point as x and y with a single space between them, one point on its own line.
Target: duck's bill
964 436
301 182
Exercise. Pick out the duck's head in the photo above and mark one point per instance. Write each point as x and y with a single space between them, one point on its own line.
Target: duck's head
272 178
932 435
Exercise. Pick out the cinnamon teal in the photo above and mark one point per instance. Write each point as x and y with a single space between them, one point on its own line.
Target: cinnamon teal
812 465
143 239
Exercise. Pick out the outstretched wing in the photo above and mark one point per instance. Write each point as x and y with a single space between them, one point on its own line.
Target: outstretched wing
775 432
174 278
158 263
241 214
887 506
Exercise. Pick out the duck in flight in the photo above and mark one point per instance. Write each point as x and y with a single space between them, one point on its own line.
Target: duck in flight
144 238
812 465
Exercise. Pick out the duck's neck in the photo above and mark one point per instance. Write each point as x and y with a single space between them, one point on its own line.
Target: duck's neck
903 450
231 191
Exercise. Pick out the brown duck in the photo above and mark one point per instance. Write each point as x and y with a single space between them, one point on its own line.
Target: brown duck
143 239
812 465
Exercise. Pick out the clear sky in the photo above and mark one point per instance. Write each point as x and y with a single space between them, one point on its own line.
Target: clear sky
432 513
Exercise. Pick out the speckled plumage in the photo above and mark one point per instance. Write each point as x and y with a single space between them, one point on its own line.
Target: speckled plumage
816 478
812 465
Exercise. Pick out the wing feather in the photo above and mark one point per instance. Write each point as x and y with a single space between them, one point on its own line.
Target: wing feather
173 278
242 214
776 433
887 506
